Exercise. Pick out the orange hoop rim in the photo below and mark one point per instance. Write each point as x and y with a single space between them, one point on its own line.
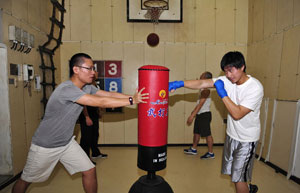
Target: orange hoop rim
159 4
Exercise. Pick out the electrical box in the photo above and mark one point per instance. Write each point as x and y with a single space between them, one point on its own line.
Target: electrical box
24 37
37 82
14 33
31 40
28 72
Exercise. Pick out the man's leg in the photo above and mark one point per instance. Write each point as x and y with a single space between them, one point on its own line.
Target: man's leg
196 139
94 138
241 187
20 186
210 143
85 141
89 181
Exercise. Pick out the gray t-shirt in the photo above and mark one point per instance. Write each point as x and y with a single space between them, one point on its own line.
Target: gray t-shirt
57 127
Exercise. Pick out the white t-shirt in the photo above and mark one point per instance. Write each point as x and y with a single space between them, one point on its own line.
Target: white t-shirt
206 105
249 95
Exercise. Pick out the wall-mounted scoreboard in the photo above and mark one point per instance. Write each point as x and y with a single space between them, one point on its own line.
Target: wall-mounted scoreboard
109 78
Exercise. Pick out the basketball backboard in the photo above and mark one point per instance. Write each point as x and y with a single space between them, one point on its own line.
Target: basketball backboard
171 14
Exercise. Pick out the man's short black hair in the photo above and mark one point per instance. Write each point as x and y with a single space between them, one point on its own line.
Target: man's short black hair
234 59
77 60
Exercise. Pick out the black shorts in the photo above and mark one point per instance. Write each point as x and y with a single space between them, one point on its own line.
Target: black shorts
202 124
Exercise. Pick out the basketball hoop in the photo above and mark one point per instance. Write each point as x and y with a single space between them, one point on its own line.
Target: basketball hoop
155 9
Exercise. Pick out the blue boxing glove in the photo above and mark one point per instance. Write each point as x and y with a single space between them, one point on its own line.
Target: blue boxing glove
176 84
219 84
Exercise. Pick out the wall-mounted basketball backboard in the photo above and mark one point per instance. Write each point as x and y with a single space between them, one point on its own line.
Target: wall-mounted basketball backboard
170 11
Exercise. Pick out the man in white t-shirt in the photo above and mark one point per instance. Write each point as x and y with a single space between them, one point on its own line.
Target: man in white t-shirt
202 116
242 96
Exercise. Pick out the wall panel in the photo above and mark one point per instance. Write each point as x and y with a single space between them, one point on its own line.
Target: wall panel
270 17
165 31
250 21
113 128
175 61
34 13
225 21
46 13
289 64
185 31
154 56
258 18
284 14
18 9
214 54
101 20
113 51
80 20
272 63
121 30
282 134
142 30
205 21
195 60
66 36
241 21
94 49
68 49
6 5
296 12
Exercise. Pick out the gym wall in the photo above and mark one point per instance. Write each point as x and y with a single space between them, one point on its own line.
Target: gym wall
274 58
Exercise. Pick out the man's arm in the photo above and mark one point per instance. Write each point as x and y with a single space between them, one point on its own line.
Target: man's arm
236 111
111 94
203 97
88 120
113 102
192 84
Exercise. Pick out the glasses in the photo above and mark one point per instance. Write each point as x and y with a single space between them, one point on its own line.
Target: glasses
89 69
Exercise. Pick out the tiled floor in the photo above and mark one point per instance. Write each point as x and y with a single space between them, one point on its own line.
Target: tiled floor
184 173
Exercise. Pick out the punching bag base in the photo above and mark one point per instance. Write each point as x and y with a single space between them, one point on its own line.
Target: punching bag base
146 185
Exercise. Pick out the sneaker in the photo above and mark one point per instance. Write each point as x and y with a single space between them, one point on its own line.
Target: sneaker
190 151
208 156
253 188
101 155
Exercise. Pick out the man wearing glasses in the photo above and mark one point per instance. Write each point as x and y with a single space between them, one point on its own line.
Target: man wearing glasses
53 140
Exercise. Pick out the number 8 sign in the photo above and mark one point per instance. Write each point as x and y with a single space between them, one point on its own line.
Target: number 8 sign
113 84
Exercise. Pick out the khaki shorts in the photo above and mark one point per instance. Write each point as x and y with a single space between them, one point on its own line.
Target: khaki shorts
41 161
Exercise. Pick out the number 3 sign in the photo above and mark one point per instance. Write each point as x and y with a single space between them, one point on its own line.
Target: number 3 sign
110 77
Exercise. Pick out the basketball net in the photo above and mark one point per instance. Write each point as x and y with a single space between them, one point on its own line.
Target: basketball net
154 9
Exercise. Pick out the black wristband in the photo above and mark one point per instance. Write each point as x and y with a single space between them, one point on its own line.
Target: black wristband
131 100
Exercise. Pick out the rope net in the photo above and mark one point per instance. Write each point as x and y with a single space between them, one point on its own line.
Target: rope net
154 9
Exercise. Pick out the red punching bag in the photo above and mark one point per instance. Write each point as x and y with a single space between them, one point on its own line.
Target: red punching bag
153 118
